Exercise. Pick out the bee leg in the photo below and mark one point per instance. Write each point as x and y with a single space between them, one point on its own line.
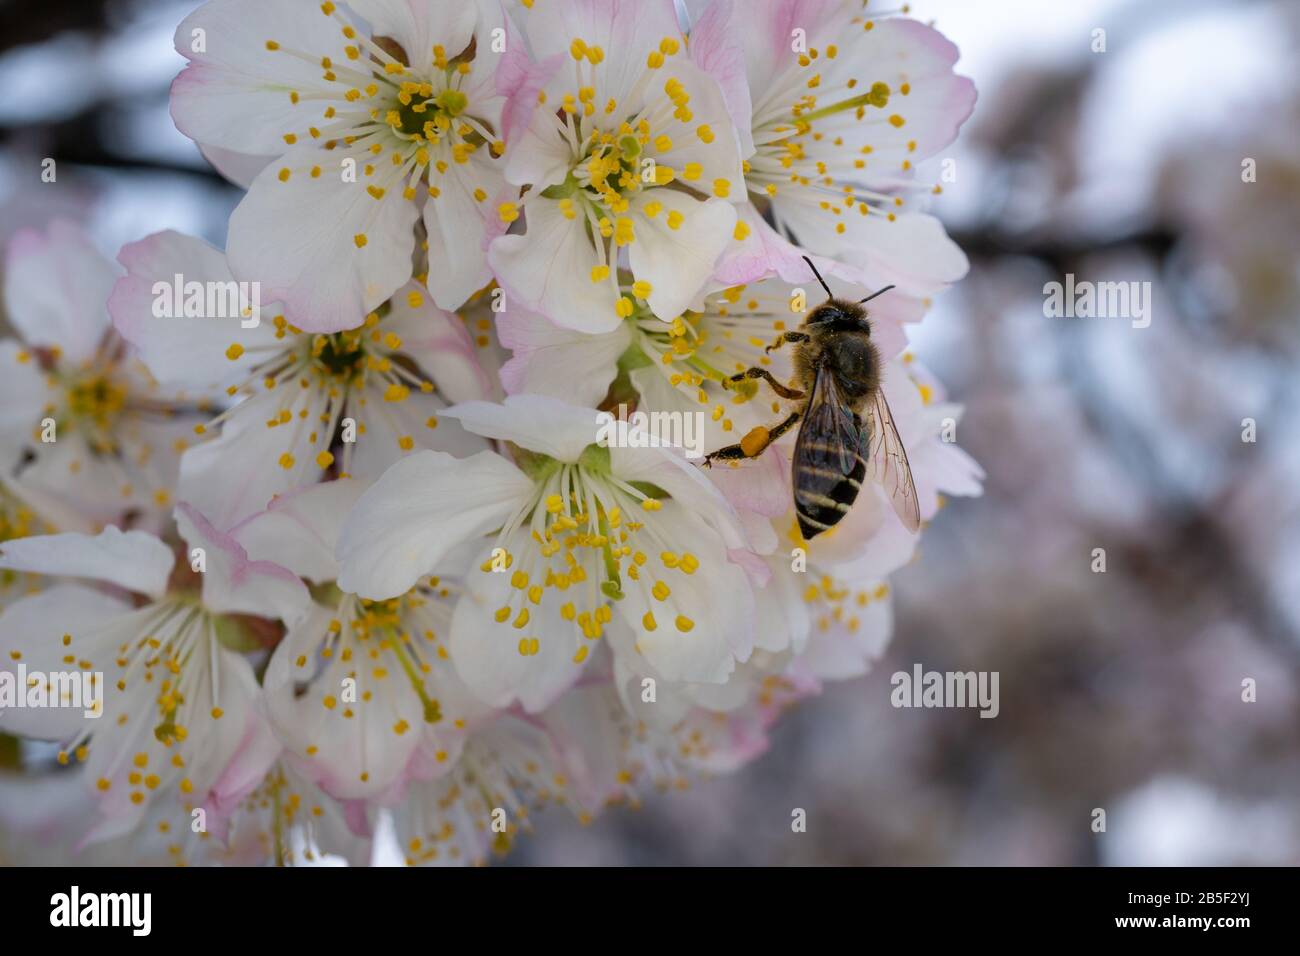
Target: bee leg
783 390
787 337
754 443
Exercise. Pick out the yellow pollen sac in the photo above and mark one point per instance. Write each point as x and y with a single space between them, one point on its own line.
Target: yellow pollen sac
554 504
641 289
599 274
508 211
755 441
661 591
286 461
648 621
684 623
235 351
624 307
690 563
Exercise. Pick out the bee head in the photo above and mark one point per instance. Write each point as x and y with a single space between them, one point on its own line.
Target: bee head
838 315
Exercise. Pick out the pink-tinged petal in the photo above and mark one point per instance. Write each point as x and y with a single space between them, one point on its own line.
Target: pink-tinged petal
327 249
548 270
761 486
300 530
132 560
535 155
56 288
418 512
764 252
235 92
717 48
33 628
440 344
185 352
549 360
256 753
233 584
678 262
519 79
536 422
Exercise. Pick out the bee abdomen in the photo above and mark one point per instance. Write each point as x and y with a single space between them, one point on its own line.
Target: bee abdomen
823 496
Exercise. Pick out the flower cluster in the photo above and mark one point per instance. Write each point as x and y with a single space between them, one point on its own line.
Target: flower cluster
327 516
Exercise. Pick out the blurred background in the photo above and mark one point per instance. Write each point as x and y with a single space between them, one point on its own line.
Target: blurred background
1119 690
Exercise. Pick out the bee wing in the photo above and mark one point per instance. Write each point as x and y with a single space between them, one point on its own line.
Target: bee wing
829 437
887 462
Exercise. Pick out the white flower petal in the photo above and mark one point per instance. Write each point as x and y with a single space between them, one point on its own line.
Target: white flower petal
34 628
536 422
716 600
440 343
325 248
550 360
56 288
487 654
132 560
235 92
418 512
183 352
548 270
678 262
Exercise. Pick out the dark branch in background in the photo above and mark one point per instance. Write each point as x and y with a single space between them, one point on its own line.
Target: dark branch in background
23 22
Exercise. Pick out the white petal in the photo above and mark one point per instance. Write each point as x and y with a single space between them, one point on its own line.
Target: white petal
716 599
235 475
456 224
418 512
300 238
678 262
235 94
487 653
22 401
550 360
548 270
439 343
536 422
133 560
34 627
188 353
419 26
56 289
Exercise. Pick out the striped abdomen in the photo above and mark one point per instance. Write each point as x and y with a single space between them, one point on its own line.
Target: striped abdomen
823 495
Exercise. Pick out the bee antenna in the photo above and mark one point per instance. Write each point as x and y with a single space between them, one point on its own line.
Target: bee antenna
829 293
874 294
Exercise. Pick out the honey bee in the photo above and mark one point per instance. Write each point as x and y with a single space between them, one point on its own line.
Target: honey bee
846 431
